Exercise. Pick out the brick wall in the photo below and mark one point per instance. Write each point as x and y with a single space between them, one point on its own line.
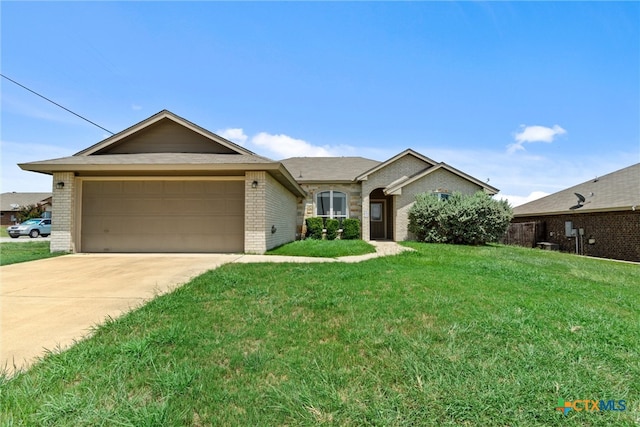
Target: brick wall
280 212
614 235
438 180
354 200
63 213
254 212
405 166
267 205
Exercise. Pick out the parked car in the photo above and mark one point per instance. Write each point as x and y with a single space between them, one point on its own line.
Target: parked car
32 227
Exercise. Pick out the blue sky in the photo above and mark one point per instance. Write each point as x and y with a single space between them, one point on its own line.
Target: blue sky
535 97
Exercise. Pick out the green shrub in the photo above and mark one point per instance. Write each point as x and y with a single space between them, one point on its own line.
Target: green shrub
350 229
314 228
466 220
332 226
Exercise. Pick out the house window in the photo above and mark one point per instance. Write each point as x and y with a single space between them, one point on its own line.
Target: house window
442 195
331 204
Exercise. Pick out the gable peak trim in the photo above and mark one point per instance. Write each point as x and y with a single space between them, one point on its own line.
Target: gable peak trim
149 121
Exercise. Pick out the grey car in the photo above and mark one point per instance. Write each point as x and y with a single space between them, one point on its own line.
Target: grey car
32 227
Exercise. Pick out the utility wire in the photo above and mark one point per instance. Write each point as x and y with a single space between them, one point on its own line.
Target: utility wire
55 103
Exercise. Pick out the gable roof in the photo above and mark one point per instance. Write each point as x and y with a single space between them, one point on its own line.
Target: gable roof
9 201
163 117
407 152
617 191
395 186
327 169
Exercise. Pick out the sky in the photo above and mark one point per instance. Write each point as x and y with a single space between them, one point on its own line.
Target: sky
533 96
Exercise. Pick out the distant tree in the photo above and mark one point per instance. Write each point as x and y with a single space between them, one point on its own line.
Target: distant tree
29 211
465 220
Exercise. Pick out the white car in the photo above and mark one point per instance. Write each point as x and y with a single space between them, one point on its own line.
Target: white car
32 227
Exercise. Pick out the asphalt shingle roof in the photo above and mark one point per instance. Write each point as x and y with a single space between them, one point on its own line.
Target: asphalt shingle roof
619 190
21 199
334 169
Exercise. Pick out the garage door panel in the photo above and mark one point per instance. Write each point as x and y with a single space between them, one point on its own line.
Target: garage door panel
162 216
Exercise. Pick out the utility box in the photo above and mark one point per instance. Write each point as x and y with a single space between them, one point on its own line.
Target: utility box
569 231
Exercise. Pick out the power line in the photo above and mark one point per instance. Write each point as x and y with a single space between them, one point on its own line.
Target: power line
55 103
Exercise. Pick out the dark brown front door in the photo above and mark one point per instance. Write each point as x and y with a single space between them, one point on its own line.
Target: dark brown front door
378 219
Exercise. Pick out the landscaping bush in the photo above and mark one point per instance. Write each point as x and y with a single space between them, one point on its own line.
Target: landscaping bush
314 228
332 226
466 220
350 229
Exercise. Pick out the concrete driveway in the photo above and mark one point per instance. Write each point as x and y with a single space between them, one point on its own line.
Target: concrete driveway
52 302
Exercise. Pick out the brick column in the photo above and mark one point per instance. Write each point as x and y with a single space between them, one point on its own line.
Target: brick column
255 240
63 213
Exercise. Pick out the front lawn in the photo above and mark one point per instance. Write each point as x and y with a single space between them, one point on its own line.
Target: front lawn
474 336
324 248
11 253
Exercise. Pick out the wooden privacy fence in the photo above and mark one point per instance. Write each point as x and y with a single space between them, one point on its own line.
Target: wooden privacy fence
523 234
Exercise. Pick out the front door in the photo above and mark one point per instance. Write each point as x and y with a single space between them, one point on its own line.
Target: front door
378 219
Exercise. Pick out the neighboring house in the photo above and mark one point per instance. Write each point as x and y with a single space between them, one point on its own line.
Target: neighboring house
168 185
604 212
11 203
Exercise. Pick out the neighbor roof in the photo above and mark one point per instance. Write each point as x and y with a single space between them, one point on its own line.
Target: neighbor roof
8 201
331 169
617 191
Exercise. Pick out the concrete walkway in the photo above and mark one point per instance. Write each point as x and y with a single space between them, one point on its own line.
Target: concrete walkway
53 302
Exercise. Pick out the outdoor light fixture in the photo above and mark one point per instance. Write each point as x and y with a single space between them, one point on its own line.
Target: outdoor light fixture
60 185
254 184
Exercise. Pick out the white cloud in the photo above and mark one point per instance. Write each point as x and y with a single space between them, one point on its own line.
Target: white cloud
521 200
136 107
529 134
16 179
233 134
284 146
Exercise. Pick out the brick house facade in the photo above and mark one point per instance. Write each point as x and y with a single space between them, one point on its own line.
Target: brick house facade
605 212
168 185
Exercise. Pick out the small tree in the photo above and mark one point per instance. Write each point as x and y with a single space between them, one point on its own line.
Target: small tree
332 227
467 220
350 229
29 211
314 228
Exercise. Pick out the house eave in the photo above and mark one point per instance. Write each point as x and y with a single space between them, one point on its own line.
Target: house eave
579 211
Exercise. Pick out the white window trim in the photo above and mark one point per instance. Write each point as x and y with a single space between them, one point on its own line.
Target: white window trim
331 210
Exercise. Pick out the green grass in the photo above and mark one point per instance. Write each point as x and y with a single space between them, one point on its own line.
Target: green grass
324 248
3 231
472 336
11 253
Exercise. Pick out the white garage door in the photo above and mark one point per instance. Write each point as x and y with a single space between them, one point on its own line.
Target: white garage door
162 216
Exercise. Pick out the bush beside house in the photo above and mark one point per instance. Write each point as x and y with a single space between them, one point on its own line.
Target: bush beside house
466 220
318 229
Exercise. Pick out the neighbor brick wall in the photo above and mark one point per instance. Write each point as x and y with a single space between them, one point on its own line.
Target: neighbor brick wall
63 213
616 234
